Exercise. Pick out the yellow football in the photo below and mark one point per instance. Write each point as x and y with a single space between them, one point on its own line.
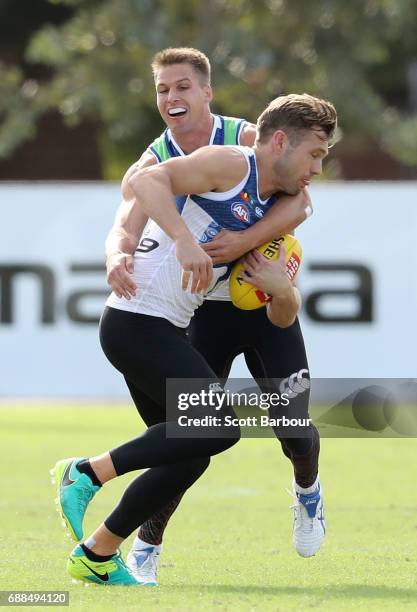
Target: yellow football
246 296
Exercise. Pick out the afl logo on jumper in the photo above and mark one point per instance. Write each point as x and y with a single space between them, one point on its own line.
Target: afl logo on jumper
240 211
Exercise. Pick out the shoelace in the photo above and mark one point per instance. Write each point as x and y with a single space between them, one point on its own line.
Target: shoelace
296 506
296 503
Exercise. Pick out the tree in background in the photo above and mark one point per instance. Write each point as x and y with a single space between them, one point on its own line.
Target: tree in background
360 54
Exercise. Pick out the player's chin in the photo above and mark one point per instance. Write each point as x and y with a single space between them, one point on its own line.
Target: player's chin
294 190
178 123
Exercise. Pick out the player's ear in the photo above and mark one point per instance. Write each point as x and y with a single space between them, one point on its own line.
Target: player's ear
208 92
279 141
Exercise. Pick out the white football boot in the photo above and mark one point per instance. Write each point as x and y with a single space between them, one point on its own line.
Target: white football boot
143 563
309 524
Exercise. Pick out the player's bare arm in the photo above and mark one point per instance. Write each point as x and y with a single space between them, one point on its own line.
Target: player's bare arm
213 168
123 237
282 218
270 277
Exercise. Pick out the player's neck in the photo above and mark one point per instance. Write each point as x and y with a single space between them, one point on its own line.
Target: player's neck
267 181
196 138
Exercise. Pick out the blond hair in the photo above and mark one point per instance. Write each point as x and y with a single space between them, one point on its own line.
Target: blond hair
183 55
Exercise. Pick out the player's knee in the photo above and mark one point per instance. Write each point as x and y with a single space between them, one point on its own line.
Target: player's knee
198 466
232 438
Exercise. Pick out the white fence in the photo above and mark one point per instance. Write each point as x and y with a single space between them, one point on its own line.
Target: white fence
358 282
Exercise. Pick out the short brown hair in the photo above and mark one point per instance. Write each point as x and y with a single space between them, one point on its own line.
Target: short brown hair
296 113
183 55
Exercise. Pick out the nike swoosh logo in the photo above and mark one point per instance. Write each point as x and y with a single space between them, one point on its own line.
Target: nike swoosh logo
103 577
66 480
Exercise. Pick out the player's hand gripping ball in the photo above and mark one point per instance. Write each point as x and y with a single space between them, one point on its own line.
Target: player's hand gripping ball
246 296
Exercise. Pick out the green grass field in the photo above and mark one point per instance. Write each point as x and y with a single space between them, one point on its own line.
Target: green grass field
228 546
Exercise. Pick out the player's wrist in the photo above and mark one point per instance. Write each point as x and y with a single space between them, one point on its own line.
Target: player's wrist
183 236
116 255
251 238
284 291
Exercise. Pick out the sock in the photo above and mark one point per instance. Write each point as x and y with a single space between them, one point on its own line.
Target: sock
85 468
93 556
152 530
139 544
307 490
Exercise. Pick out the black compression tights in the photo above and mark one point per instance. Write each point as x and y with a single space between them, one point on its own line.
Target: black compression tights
148 350
220 332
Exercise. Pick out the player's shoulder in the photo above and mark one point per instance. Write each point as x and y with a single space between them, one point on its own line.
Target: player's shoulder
226 164
247 134
238 130
145 161
159 148
232 122
231 129
231 153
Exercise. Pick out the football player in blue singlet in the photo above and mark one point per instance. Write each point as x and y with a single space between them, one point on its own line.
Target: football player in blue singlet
217 330
317 120
144 336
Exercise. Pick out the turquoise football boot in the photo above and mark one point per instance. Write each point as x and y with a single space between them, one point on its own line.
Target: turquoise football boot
74 492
